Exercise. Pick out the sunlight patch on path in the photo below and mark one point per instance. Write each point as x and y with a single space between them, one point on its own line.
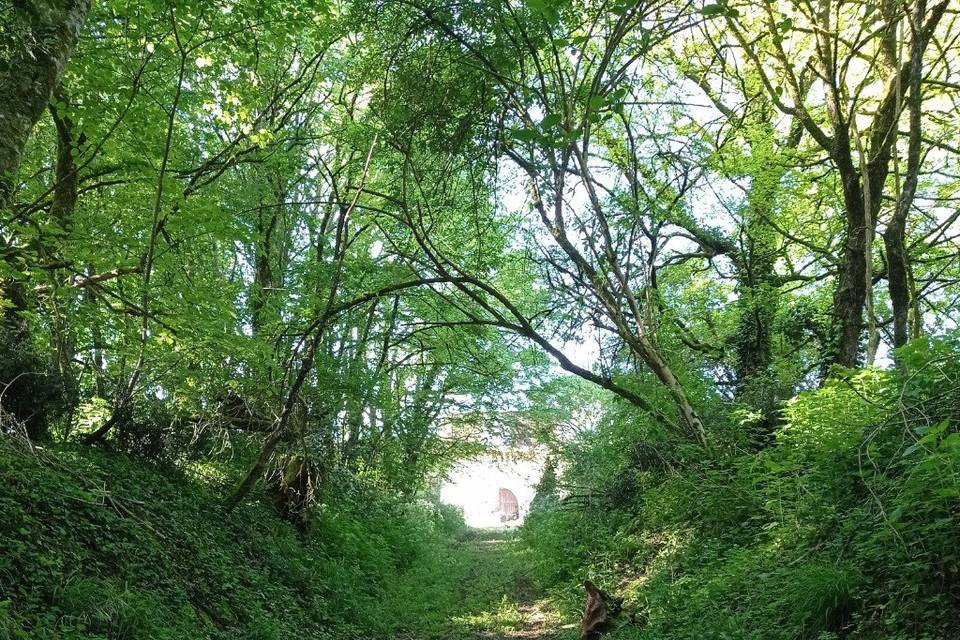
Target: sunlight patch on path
511 608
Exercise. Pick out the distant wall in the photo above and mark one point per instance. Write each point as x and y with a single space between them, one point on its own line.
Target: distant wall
475 486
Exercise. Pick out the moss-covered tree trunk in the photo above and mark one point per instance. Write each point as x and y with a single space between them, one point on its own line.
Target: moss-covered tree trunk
32 72
758 284
40 38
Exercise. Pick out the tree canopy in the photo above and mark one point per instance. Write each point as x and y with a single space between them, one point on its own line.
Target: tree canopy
364 238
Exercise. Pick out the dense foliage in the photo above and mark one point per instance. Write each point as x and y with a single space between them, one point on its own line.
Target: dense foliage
99 546
845 527
703 253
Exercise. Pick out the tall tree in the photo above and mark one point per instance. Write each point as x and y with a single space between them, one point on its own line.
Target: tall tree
39 36
853 53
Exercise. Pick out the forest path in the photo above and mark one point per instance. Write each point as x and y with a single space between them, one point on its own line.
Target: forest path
497 599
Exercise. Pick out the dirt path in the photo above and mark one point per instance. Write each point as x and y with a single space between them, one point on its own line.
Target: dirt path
499 599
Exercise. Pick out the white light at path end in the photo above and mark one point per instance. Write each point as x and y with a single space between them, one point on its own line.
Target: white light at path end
474 486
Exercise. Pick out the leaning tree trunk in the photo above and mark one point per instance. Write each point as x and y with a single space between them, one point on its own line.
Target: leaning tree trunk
44 33
28 78
49 29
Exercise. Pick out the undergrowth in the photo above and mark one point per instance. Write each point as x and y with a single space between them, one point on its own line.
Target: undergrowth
848 526
104 546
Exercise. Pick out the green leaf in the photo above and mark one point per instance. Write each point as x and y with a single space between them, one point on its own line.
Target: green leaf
551 121
909 450
525 135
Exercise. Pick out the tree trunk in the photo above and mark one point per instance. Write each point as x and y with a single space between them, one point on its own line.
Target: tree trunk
758 297
66 174
898 280
28 79
758 292
270 249
280 430
758 286
48 29
894 238
64 202
850 295
689 419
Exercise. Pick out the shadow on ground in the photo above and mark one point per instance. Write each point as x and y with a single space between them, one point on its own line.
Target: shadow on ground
499 599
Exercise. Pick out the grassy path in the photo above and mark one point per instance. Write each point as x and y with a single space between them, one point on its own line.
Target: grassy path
489 595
